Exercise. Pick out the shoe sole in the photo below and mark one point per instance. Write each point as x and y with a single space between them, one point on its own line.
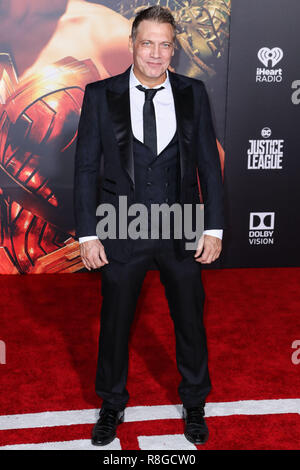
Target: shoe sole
195 442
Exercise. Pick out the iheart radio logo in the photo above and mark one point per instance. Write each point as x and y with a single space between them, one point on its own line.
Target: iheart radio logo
274 55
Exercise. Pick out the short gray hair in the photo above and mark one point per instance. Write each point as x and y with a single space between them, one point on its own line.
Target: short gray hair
154 13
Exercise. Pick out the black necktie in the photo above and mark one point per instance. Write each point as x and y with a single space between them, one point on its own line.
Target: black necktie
149 123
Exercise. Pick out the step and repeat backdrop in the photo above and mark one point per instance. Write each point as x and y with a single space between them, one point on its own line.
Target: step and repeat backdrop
262 172
49 51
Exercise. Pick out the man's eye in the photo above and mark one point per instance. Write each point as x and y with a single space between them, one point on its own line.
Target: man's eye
146 43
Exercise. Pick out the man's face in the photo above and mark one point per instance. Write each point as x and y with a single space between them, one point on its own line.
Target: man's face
152 50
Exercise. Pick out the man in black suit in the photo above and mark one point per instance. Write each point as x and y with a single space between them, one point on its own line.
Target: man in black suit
146 134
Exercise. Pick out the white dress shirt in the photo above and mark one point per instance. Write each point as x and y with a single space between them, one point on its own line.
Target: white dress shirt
165 119
164 111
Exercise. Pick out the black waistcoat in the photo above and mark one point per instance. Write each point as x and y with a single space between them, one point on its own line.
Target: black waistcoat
157 178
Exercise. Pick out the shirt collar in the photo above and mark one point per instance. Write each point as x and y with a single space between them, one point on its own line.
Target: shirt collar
133 81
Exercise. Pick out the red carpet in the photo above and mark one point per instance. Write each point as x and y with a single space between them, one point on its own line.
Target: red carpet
50 326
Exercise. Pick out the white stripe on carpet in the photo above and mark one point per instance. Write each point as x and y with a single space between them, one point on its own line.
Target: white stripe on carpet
78 444
149 413
165 442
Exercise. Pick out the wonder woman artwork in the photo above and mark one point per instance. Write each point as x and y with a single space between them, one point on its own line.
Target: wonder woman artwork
49 51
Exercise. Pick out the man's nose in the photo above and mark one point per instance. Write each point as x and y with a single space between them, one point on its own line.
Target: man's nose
155 52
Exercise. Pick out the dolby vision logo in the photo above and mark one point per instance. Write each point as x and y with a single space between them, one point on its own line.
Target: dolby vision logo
261 228
261 220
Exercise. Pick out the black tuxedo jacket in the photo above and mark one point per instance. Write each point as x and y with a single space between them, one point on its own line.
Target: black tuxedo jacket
104 167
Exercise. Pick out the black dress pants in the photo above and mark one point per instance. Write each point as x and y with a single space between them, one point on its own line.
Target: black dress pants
121 286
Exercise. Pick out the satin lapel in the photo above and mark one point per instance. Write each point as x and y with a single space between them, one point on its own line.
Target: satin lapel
184 105
119 107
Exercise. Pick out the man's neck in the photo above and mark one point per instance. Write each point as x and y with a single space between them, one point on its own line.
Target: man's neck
149 82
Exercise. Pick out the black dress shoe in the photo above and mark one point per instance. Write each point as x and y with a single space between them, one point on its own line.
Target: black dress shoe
104 430
195 430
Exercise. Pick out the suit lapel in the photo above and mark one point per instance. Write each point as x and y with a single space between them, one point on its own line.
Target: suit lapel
119 107
183 101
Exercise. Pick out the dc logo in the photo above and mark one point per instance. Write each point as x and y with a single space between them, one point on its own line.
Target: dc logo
274 55
262 220
266 132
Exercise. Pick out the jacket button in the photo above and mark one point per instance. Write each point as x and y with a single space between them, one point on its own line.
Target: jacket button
149 183
149 168
167 199
167 184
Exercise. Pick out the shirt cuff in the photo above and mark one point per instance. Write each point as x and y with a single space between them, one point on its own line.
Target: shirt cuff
214 233
85 239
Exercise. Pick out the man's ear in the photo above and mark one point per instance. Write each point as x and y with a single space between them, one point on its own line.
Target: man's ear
130 44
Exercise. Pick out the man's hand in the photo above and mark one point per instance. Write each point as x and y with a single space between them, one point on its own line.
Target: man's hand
93 254
212 249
